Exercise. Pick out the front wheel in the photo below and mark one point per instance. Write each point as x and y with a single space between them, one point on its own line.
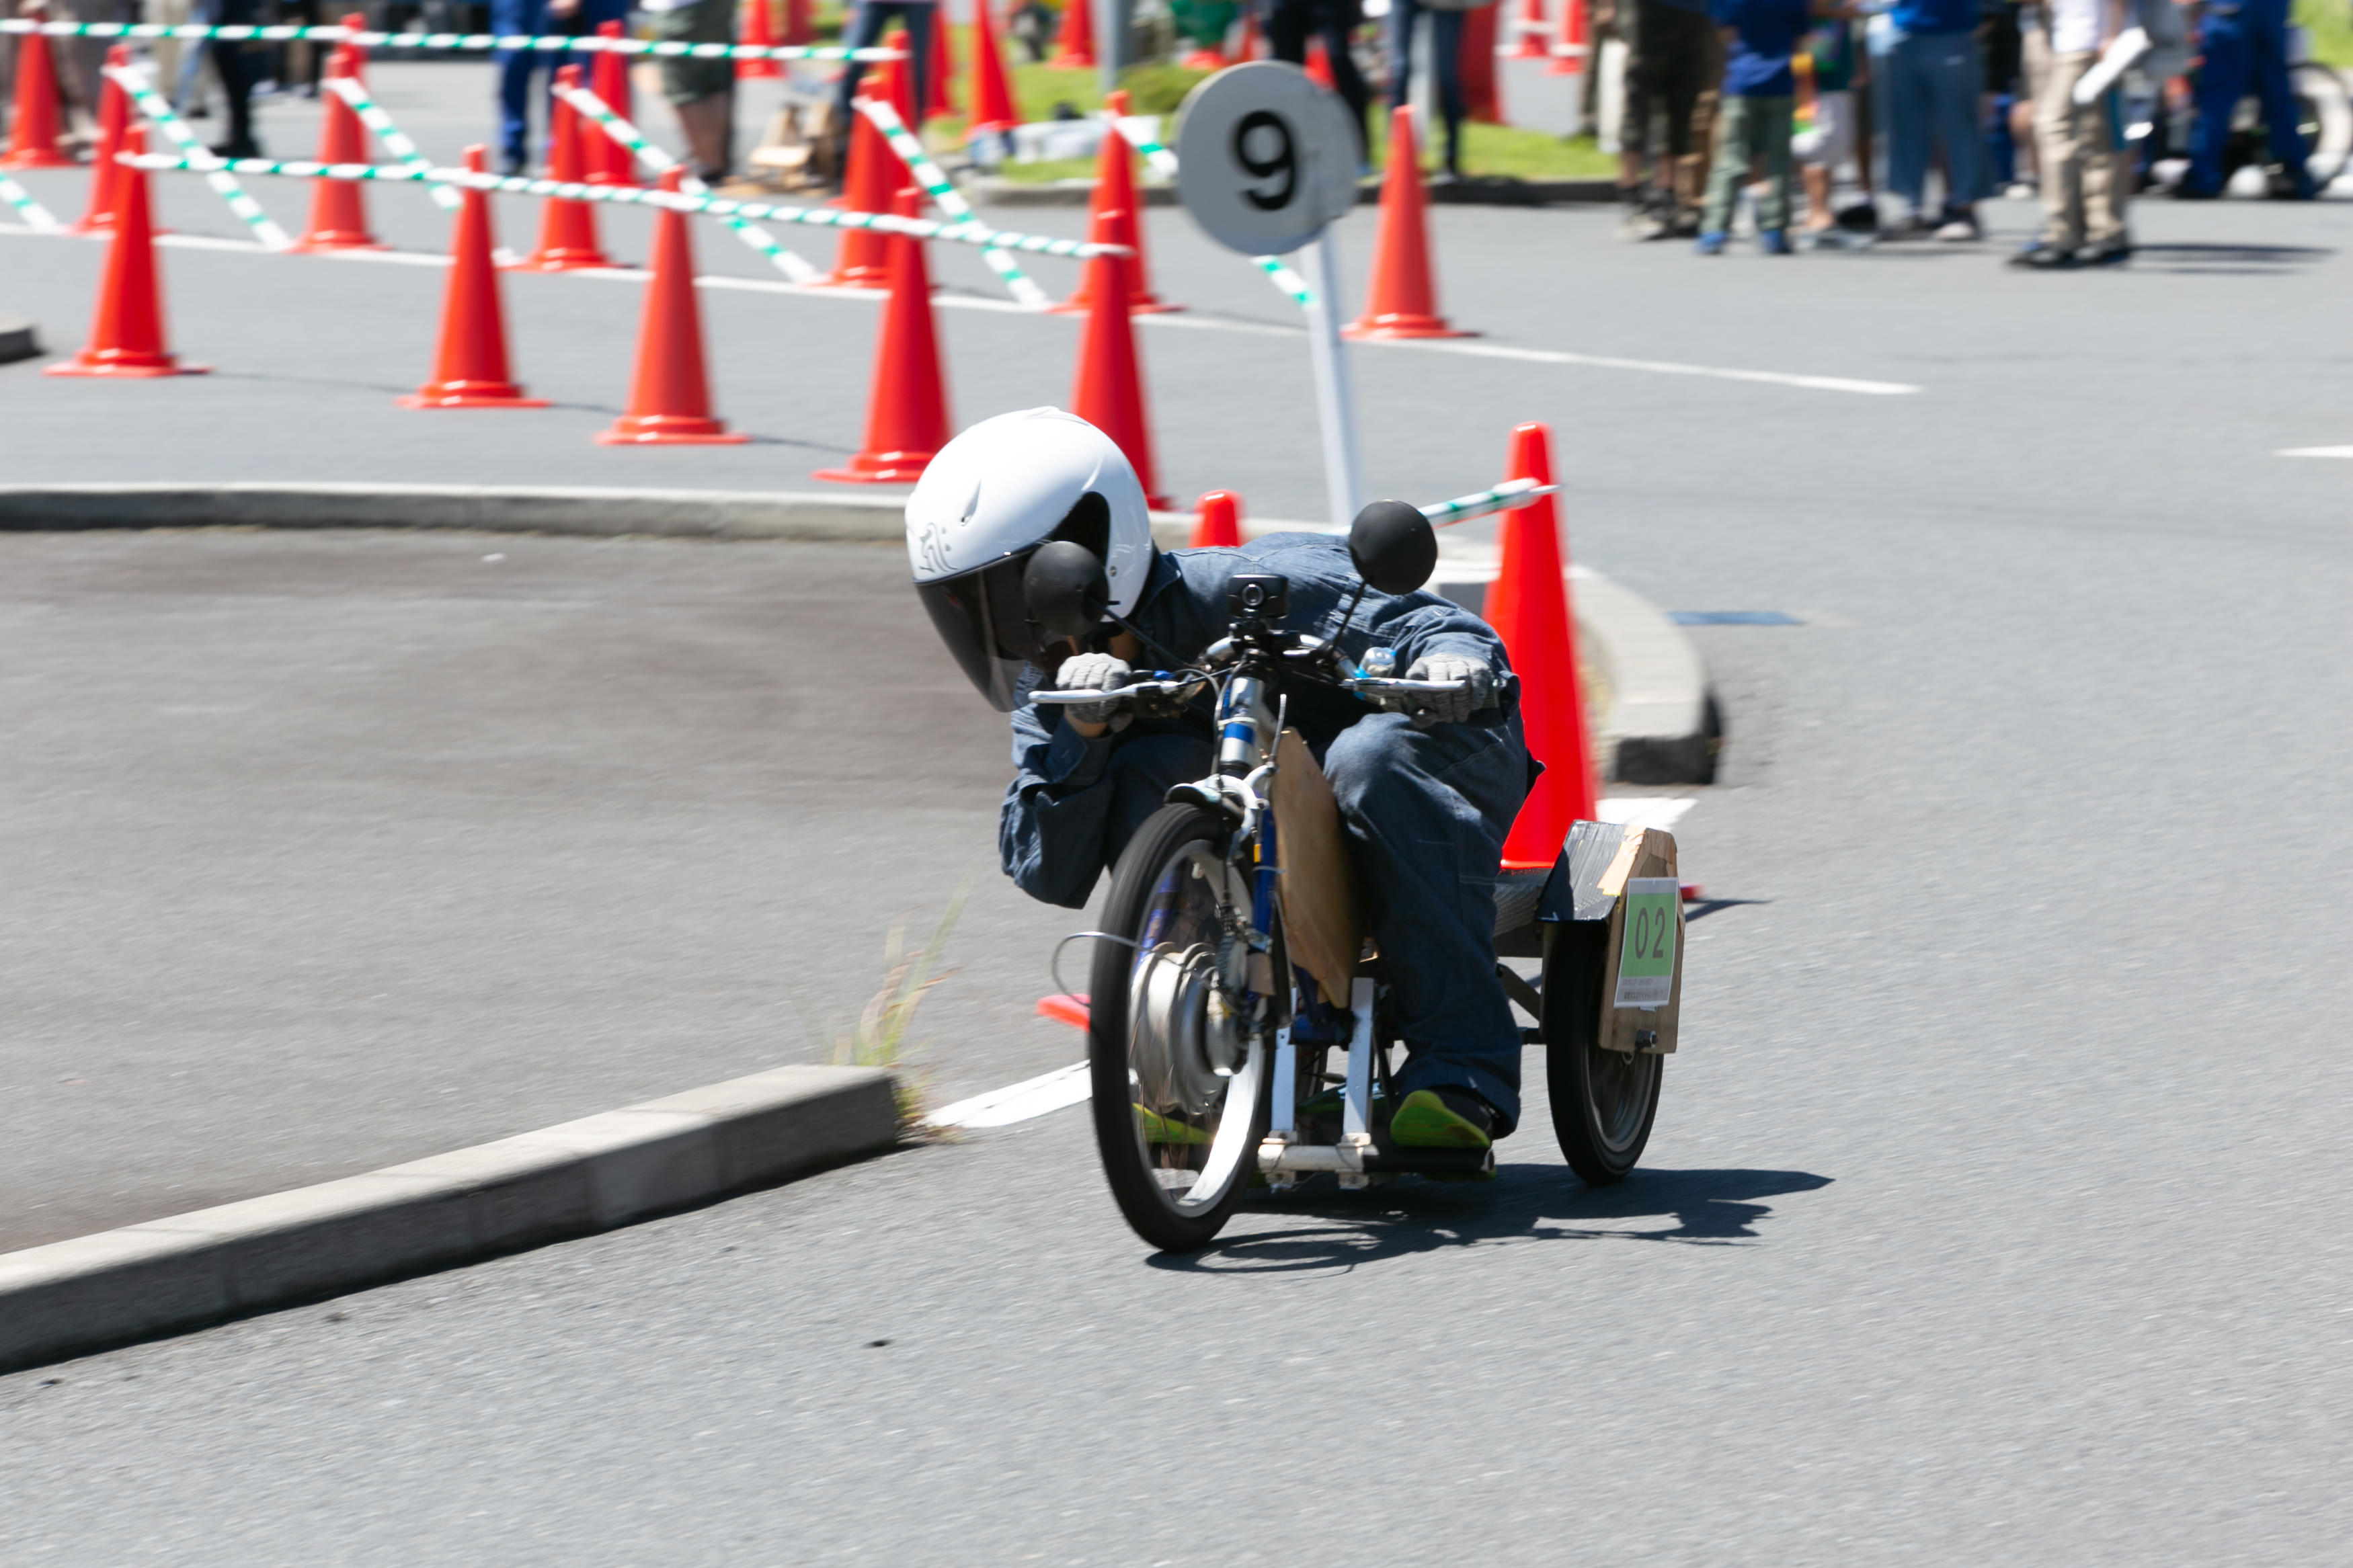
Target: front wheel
1603 1101
1178 1074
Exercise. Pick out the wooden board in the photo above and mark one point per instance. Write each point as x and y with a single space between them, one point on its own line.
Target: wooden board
1647 854
1323 916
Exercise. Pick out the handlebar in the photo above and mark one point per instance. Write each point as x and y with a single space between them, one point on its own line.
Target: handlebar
1370 685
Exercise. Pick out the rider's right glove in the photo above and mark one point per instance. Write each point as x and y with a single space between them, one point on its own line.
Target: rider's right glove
1094 672
1449 707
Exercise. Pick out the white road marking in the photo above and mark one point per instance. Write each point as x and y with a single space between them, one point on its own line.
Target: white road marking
1198 323
1016 1102
2315 452
1646 810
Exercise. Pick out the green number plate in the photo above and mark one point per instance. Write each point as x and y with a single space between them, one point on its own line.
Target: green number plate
1646 963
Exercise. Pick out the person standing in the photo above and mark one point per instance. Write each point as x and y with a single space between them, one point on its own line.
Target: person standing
1290 24
237 63
1446 31
867 21
1835 139
2245 46
515 68
1753 110
1670 50
1933 80
2079 147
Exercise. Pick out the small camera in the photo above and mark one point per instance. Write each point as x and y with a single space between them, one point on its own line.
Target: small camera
1257 597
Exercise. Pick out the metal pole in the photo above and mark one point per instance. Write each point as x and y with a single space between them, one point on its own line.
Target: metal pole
1113 22
1336 405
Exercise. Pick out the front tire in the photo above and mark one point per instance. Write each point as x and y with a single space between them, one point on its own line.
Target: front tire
1179 1087
1603 1101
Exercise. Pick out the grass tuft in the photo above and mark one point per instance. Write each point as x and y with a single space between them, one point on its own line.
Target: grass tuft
880 1037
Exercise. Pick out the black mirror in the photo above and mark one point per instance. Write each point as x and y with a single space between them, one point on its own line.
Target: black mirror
1064 589
1393 545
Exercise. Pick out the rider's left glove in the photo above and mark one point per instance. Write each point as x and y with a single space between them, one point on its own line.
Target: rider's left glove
1094 672
1449 707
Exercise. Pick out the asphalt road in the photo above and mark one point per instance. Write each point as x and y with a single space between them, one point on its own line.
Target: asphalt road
1996 1210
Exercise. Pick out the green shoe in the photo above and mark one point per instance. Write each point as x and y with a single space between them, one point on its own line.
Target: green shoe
1434 1119
1159 1129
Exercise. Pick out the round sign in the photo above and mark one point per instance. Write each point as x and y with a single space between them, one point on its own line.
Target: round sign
1265 158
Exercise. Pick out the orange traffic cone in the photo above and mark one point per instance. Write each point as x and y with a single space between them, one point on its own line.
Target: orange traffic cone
670 393
1319 65
1528 44
992 98
1250 47
113 119
936 101
1528 606
899 85
1202 59
126 335
758 30
1219 523
1074 43
1570 59
1115 221
32 127
1482 101
1110 391
609 163
567 229
874 171
338 210
1402 302
470 365
799 26
907 406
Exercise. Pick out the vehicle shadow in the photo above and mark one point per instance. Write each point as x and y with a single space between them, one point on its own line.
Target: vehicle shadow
1525 1204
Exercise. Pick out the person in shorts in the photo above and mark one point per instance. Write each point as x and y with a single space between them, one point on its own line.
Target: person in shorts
1670 61
701 92
1832 141
1755 110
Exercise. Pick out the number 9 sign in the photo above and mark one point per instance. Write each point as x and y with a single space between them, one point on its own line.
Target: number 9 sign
1264 158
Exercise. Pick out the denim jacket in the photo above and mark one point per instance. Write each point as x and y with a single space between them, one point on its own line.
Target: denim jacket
1050 830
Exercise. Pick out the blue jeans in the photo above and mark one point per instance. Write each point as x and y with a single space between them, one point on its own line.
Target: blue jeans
868 20
514 66
1931 97
2245 50
1445 64
1427 812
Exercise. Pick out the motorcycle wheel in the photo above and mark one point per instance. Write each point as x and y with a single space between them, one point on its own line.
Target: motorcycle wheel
1603 1101
1179 1089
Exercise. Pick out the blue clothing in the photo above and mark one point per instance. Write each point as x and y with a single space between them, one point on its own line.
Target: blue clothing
1426 810
510 18
1764 33
2245 50
1445 66
1929 91
1917 16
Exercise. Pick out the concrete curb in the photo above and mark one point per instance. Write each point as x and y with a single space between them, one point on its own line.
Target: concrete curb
18 339
1662 726
169 1276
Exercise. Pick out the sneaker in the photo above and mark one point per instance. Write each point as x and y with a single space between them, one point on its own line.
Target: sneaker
248 148
1911 226
1710 244
2115 255
2186 192
1862 218
2041 257
1774 242
1443 1118
1958 229
1641 224
1683 222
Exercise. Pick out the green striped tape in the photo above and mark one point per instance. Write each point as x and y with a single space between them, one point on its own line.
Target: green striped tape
151 104
474 42
951 201
41 220
396 141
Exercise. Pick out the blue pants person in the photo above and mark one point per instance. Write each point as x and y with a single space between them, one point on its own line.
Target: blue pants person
1445 64
2245 45
530 19
1931 86
868 19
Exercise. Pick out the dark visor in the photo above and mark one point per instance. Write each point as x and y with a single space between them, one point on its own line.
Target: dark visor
981 616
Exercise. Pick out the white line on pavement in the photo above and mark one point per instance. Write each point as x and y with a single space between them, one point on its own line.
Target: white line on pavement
1156 322
2315 452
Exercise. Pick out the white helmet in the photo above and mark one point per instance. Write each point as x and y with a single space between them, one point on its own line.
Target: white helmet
984 506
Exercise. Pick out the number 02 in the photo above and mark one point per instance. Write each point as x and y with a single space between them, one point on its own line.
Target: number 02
1282 165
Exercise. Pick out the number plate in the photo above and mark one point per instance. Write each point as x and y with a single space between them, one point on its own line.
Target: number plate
1264 158
1646 960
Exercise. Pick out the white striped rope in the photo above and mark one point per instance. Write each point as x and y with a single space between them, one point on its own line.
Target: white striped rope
1509 495
42 220
151 103
640 196
1162 162
951 201
471 42
396 141
654 158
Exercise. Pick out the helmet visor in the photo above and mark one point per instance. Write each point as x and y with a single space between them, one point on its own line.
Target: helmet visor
981 616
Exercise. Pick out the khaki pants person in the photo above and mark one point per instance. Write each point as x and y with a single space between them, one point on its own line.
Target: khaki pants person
2081 150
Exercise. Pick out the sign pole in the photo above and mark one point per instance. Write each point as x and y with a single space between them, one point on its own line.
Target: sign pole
1335 404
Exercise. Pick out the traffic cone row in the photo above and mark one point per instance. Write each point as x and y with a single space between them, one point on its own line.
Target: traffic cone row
114 120
126 334
1116 219
567 229
338 207
34 122
1529 605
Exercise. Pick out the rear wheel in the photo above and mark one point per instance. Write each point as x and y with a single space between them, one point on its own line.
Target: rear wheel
1603 1101
1179 1080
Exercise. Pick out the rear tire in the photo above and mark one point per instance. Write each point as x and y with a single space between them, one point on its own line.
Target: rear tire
1603 1101
1178 1142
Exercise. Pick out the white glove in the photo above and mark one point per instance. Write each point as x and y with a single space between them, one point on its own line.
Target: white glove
1094 672
1448 707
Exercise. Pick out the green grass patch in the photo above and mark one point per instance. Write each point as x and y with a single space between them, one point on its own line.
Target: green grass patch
2331 26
